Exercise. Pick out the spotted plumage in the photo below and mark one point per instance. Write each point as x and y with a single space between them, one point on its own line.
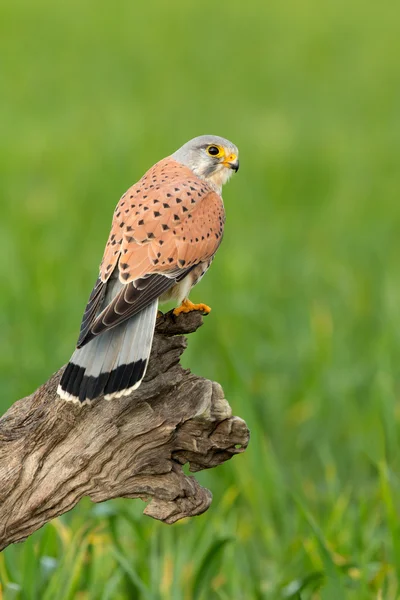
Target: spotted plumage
165 232
178 212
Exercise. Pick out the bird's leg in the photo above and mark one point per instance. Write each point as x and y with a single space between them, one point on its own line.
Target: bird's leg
188 306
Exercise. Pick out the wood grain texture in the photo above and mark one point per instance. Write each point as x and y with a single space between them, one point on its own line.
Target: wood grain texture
53 453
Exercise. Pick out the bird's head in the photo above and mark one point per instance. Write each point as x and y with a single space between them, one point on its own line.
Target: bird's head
210 157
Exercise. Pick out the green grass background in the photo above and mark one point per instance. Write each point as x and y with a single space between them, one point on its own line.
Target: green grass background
305 330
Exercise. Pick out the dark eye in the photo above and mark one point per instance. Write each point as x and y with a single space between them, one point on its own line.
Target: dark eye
213 150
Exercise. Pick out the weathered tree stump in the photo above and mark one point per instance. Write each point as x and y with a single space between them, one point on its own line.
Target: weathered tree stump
52 453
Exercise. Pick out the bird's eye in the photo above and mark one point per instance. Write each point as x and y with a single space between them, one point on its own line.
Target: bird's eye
213 151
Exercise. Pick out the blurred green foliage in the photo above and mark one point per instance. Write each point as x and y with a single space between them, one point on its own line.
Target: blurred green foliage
305 330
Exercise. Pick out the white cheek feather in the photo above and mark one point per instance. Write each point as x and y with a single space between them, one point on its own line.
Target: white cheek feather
220 174
220 177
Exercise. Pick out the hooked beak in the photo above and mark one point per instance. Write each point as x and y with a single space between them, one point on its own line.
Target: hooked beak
231 162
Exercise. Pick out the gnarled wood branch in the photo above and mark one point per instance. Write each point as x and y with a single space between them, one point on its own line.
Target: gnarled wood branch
52 453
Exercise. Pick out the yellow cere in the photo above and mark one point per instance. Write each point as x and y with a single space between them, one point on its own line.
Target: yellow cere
231 158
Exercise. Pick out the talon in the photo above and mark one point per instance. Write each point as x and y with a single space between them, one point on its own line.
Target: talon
188 306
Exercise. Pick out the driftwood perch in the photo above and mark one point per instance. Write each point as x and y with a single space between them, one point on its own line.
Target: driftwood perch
53 453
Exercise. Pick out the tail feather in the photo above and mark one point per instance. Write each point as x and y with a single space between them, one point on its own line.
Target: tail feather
113 363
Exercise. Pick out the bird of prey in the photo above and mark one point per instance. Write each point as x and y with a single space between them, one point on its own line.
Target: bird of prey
165 232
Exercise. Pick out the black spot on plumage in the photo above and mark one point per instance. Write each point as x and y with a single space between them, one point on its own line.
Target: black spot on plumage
129 228
165 205
141 222
155 261
129 239
197 239
155 201
124 265
182 262
118 213
157 213
189 193
158 254
122 224
176 217
178 200
170 259
165 227
125 276
122 203
150 236
184 209
145 208
193 201
131 196
168 195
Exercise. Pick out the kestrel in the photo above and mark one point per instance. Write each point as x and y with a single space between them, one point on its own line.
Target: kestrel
165 232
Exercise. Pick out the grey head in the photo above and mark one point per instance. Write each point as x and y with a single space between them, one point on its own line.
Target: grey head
210 157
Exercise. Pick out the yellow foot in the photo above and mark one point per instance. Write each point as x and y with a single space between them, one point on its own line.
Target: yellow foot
188 306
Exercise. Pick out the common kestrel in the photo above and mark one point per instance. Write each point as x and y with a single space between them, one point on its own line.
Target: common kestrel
165 232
